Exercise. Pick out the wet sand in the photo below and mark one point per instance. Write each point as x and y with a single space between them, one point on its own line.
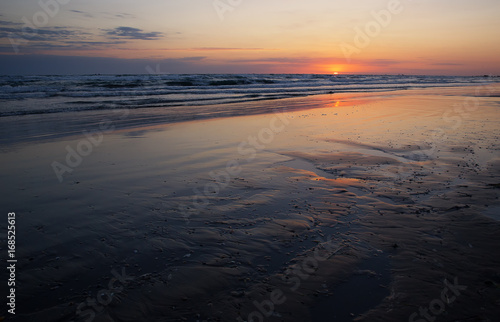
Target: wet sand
374 207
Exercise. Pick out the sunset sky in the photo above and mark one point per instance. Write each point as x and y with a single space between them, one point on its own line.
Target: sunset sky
446 37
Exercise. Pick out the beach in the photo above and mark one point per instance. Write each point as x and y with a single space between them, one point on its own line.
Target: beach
369 206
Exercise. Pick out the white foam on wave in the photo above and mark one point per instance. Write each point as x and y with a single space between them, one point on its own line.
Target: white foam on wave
87 92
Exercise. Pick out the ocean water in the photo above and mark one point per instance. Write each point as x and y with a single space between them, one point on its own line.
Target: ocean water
27 95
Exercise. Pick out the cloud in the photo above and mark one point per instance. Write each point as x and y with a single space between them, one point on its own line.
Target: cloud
277 60
77 45
42 34
34 47
83 13
119 15
446 64
50 38
217 49
196 58
105 15
124 15
223 49
4 31
10 23
380 62
132 33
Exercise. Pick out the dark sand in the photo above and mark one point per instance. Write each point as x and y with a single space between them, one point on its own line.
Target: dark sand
358 208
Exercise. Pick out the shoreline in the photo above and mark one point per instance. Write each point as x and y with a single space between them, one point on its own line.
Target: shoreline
19 129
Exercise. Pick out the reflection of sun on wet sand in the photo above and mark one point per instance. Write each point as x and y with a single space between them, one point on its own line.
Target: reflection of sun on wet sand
354 210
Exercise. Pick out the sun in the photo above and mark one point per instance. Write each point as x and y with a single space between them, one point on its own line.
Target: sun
334 69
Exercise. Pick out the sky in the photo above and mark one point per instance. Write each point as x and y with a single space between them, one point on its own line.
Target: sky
425 37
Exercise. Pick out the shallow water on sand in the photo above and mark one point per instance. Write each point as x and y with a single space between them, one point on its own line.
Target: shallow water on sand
310 209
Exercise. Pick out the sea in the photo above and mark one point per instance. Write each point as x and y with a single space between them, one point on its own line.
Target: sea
26 95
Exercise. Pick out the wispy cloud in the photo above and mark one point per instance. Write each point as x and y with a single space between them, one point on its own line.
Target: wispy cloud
10 23
104 15
276 60
52 38
380 62
38 46
196 58
132 33
446 64
119 15
45 34
123 15
224 49
83 13
6 31
78 45
218 49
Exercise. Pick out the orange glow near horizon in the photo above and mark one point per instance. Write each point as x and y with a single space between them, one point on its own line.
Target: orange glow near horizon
336 69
